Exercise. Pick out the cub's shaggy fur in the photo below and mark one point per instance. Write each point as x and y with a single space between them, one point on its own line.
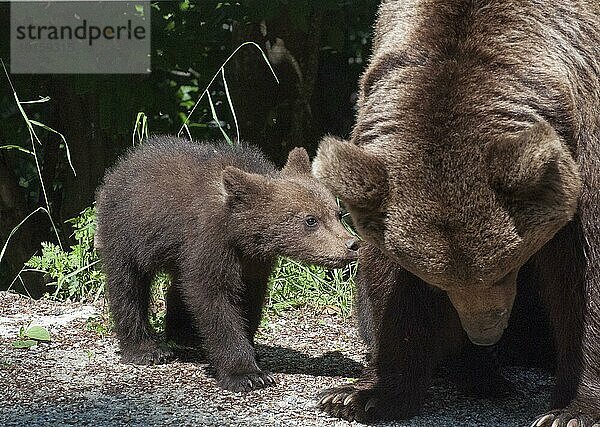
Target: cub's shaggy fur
215 217
476 150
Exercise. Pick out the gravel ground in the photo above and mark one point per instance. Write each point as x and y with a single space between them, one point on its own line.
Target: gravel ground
77 379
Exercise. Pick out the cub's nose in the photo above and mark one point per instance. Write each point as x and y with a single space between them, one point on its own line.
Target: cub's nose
353 244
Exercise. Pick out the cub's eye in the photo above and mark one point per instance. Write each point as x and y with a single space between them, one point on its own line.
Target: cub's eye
311 221
340 215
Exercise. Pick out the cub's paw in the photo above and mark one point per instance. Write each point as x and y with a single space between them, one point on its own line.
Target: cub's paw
247 382
147 356
567 418
365 405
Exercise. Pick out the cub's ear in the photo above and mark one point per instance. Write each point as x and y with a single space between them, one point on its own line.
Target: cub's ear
297 163
240 184
355 175
535 162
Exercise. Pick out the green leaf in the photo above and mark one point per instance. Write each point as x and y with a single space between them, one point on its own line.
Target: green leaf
24 343
37 101
184 5
49 129
216 119
237 128
14 230
16 147
38 333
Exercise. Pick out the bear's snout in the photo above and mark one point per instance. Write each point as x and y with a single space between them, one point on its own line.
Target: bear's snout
486 329
484 311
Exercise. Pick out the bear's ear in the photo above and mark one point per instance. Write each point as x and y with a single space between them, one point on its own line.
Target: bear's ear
240 184
297 163
355 175
533 162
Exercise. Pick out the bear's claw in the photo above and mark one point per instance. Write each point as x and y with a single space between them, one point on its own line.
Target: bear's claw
247 382
371 403
566 418
343 402
349 399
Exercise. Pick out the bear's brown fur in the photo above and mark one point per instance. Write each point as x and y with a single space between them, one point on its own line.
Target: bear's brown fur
215 217
476 150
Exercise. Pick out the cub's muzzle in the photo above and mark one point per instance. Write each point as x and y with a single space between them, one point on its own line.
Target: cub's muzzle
353 245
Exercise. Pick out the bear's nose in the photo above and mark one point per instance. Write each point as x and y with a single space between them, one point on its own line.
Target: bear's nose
353 244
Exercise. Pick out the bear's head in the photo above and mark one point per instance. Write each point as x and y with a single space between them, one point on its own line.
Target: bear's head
462 219
290 214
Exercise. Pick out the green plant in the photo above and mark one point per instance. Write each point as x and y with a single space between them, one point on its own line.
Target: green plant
72 272
140 129
33 139
158 307
186 98
30 336
294 285
99 324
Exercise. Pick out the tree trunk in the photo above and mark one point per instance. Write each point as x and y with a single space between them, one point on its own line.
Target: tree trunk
26 240
78 118
294 55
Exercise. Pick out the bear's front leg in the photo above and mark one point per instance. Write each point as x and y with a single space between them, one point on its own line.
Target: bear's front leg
570 278
410 323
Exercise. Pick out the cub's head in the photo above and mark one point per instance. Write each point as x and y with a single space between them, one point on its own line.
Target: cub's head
463 218
290 214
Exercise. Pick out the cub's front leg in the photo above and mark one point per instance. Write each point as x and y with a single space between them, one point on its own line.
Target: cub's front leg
214 294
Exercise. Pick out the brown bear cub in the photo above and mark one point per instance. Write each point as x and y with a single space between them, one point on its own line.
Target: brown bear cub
475 158
215 217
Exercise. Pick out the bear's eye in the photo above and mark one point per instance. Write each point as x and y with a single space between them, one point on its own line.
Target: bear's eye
340 215
311 221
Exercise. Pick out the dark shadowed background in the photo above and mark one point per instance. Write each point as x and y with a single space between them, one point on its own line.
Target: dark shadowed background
317 48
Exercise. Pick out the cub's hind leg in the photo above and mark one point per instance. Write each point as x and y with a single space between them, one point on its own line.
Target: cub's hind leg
129 299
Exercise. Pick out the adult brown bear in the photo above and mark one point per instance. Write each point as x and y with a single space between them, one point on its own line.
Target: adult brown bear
476 151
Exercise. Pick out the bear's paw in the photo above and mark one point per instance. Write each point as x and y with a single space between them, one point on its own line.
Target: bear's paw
354 403
568 417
